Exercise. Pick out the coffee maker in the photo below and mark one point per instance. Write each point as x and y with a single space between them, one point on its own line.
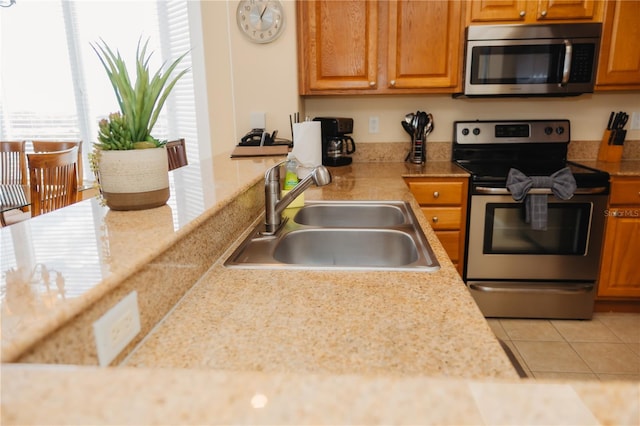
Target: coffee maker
337 146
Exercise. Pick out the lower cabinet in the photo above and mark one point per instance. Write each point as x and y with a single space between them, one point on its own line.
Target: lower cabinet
620 267
443 201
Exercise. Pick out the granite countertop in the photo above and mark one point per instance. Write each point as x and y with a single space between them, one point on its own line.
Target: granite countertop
238 346
340 322
630 168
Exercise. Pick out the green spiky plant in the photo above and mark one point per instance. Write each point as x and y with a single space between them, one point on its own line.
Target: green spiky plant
140 103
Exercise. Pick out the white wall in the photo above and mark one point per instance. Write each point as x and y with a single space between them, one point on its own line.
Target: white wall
588 113
243 77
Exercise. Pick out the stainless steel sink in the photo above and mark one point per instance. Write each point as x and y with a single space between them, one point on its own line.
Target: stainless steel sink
352 214
340 235
347 247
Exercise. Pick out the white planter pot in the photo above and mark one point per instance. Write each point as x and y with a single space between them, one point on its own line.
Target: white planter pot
135 179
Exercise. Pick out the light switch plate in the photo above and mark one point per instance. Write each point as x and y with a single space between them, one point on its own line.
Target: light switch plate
635 121
258 120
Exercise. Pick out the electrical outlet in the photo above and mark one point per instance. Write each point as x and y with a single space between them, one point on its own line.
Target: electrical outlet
635 121
115 329
374 124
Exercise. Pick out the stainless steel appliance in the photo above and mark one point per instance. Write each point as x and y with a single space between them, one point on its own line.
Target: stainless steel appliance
530 60
512 269
337 145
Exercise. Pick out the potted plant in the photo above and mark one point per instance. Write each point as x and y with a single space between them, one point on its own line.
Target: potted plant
130 164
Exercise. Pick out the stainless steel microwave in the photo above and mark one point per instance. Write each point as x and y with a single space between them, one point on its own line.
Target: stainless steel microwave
531 60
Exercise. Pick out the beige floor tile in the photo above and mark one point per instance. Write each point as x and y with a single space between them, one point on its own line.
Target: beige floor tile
518 357
497 329
585 331
625 377
565 376
625 326
551 357
635 348
609 358
523 329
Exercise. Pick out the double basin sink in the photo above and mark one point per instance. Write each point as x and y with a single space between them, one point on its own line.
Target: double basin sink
348 235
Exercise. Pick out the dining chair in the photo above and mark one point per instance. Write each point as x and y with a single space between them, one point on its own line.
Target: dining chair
13 172
176 153
53 179
13 162
49 146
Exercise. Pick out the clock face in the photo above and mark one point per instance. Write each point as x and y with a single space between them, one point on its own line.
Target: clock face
262 21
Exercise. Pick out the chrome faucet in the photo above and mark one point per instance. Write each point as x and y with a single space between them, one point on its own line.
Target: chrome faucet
274 205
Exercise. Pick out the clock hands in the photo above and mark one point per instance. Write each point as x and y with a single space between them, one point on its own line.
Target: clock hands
264 10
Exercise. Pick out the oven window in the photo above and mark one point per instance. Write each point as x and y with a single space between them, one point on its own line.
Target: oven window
523 64
506 231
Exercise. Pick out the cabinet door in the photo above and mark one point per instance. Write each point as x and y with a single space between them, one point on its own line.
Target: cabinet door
619 62
534 11
588 10
497 10
619 272
337 45
425 44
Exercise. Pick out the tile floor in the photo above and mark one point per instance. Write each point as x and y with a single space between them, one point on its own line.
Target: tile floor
605 348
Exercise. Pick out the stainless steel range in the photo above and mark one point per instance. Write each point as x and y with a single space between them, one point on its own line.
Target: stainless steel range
534 254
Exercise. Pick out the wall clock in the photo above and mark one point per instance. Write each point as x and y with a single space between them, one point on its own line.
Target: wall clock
262 21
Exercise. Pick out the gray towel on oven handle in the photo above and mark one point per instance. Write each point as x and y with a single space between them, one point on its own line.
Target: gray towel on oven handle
562 185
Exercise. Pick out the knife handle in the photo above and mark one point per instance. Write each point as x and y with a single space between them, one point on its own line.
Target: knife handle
610 123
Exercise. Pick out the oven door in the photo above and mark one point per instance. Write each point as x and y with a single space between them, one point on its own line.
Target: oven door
502 246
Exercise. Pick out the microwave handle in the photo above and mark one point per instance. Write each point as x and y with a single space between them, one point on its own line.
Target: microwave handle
566 67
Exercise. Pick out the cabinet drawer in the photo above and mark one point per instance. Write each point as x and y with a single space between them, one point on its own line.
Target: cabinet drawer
625 192
450 240
443 217
437 192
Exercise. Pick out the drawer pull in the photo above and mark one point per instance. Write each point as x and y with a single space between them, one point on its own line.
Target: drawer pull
436 194
435 219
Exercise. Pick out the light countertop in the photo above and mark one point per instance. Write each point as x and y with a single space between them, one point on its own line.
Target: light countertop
238 346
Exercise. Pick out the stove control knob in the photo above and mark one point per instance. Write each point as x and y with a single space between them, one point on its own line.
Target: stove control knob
560 130
465 131
476 131
548 130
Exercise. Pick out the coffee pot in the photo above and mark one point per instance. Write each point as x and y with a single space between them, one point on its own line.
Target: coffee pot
337 145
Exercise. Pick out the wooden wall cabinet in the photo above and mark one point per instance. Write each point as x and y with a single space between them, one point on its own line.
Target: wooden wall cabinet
533 11
620 270
379 47
619 62
443 201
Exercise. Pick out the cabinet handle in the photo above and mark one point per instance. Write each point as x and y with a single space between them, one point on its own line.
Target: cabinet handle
435 219
543 13
522 13
372 83
436 194
392 83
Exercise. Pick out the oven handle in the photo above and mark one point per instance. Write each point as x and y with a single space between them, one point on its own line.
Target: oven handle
569 289
504 191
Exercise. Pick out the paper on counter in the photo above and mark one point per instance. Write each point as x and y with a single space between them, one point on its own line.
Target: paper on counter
307 145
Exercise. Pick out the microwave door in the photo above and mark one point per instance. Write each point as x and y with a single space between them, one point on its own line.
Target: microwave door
525 67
